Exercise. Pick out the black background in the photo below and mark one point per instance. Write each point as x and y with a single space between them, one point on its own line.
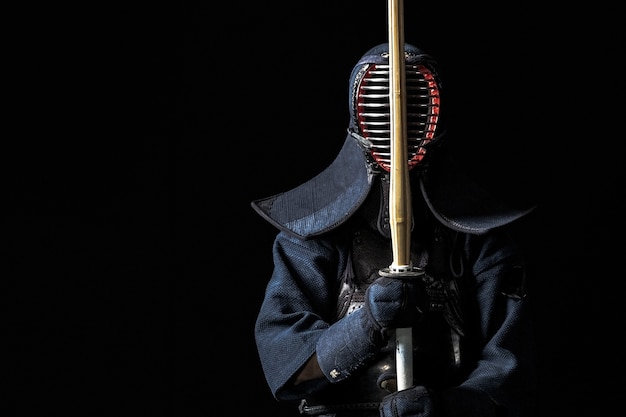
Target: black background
134 263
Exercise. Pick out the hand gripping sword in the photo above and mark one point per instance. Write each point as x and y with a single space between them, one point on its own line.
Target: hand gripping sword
400 211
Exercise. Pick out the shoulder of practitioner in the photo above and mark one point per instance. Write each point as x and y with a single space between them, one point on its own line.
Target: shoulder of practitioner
330 198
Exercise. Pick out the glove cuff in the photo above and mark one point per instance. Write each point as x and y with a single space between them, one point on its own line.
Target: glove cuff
347 345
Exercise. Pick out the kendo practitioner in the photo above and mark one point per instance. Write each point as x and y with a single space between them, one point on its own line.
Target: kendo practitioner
325 329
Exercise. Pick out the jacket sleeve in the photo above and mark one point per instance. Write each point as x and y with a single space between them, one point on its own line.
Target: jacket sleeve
505 369
297 308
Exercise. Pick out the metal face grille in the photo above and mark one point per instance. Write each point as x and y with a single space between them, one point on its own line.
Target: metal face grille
422 109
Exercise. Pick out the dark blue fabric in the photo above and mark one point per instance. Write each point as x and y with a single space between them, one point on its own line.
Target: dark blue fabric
302 293
355 339
325 201
464 401
392 302
297 315
419 401
347 345
329 199
461 204
412 402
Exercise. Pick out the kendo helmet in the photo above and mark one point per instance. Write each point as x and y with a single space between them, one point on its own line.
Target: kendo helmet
331 197
370 108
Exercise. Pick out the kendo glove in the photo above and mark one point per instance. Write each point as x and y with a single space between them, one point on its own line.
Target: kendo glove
356 338
394 302
418 401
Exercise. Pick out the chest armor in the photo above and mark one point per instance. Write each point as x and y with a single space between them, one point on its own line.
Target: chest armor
437 337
